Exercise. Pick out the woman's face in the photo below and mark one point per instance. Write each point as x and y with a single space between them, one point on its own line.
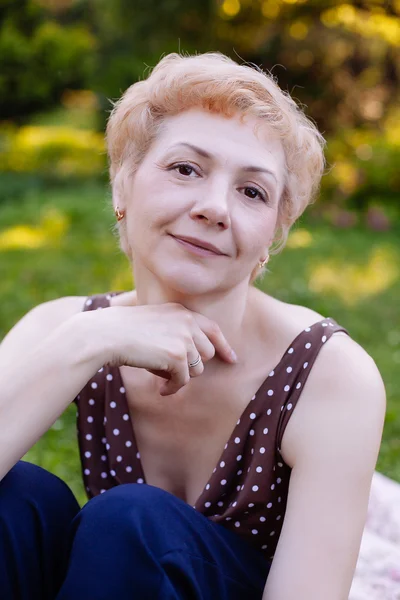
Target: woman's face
210 178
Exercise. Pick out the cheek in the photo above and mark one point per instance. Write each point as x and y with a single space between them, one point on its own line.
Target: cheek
153 200
267 225
254 233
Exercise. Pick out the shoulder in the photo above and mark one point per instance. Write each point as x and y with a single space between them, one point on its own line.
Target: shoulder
43 318
36 324
339 416
278 322
344 376
343 402
51 313
59 308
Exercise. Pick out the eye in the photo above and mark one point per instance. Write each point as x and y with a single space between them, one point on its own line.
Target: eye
184 169
253 193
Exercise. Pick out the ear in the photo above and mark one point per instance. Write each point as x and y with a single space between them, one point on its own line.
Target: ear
118 199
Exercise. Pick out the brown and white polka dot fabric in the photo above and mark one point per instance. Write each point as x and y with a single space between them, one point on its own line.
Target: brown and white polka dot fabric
247 490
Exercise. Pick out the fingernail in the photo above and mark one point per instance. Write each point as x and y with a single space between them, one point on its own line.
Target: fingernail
234 355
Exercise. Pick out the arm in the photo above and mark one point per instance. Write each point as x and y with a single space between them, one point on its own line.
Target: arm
48 357
331 442
45 361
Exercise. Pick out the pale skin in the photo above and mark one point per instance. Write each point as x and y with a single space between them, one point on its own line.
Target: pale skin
185 305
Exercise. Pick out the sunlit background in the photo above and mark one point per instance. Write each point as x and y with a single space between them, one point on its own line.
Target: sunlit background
63 61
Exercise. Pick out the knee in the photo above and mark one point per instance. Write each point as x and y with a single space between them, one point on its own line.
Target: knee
27 486
130 505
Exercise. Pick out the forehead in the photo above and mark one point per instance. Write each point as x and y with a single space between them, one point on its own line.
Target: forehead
227 139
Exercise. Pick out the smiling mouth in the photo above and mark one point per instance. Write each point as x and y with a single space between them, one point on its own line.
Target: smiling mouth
195 249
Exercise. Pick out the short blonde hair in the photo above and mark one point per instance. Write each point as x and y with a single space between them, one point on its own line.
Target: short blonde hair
216 83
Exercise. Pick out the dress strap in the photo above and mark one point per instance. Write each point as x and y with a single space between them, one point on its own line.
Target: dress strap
90 403
98 301
95 302
296 366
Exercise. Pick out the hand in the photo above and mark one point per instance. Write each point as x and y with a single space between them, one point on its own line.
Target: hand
162 339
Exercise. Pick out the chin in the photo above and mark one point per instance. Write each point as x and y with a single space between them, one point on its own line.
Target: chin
189 280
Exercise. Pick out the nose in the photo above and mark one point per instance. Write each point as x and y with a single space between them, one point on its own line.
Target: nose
212 205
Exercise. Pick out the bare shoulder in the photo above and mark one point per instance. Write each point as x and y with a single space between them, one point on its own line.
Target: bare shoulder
38 323
282 321
344 398
344 386
59 309
54 312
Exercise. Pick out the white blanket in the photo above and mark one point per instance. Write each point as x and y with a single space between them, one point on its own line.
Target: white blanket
377 575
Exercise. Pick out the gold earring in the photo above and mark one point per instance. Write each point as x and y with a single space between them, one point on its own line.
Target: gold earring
262 263
120 214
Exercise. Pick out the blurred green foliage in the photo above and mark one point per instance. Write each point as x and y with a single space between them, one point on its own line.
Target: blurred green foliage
39 57
340 60
58 151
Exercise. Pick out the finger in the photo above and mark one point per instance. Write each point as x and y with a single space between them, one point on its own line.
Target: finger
217 338
163 374
203 344
179 372
195 357
202 347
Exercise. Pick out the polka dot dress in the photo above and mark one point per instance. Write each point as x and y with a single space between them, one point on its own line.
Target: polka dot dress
247 490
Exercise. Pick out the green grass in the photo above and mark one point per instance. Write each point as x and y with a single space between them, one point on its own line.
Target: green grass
350 275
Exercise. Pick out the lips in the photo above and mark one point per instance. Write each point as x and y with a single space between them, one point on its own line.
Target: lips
199 243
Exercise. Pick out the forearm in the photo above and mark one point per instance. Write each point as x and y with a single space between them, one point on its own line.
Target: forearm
306 583
37 389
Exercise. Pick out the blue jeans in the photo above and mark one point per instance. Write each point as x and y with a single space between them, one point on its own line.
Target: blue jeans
132 542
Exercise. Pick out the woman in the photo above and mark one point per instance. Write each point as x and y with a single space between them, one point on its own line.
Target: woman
189 387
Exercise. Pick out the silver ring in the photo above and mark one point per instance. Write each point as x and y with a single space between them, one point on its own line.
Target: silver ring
195 363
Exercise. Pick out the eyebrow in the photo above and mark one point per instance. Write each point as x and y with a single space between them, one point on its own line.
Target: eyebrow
247 169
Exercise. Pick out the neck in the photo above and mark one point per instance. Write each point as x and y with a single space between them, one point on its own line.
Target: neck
228 308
